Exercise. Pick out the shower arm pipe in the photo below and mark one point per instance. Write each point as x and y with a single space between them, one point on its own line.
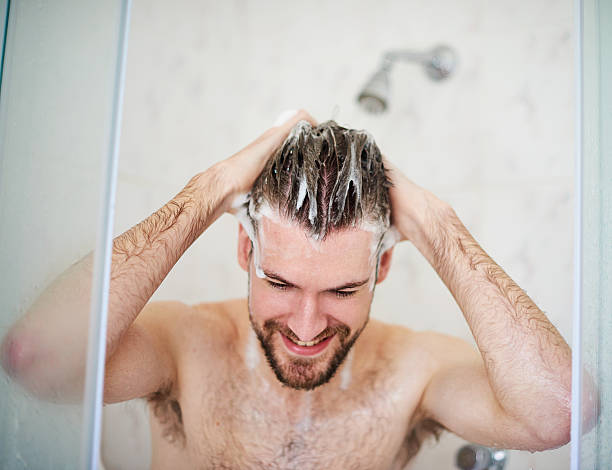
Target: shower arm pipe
403 55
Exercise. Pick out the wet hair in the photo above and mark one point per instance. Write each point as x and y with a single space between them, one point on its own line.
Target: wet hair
325 178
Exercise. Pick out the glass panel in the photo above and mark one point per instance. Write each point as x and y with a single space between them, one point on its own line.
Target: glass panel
56 105
595 445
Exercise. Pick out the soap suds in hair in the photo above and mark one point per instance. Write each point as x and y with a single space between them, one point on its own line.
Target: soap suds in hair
325 178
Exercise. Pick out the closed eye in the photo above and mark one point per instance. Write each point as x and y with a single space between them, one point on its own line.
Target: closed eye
344 293
277 285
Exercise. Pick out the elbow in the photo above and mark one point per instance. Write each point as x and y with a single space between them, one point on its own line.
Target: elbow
553 437
17 354
31 364
545 423
552 431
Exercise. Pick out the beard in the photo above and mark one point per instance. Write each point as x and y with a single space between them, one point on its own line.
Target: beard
304 373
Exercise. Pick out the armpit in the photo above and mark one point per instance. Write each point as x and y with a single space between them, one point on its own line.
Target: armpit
167 411
423 430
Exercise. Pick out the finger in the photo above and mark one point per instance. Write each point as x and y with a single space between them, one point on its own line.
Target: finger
387 163
282 130
284 116
392 170
275 136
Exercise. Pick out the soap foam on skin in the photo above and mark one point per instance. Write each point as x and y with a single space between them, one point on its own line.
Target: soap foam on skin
381 240
305 423
240 211
251 355
346 374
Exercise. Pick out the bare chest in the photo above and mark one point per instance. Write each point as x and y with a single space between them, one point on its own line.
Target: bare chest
243 424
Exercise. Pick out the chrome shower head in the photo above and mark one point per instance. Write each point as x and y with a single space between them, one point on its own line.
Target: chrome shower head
438 63
375 93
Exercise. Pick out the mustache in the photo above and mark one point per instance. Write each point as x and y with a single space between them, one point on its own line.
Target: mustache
271 326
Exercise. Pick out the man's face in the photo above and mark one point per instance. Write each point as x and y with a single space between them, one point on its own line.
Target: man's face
313 301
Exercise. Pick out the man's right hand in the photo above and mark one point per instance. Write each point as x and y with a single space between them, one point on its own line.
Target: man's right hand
239 171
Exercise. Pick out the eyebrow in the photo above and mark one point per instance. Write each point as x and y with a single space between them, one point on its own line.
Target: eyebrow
277 277
349 285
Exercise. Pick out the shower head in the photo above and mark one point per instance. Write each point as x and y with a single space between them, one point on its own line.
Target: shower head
438 64
375 93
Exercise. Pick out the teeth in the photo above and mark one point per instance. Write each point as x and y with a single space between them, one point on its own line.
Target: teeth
307 343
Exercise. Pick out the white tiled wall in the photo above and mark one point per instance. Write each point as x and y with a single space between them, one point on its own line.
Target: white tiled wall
496 140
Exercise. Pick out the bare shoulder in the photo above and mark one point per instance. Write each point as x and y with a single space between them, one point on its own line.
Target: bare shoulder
445 349
429 348
385 347
208 323
387 338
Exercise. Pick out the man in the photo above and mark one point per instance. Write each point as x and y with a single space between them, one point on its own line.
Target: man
296 376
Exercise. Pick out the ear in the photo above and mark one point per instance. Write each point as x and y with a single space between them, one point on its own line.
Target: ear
384 264
244 248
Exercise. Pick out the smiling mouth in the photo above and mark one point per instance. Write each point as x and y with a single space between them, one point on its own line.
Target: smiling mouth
306 348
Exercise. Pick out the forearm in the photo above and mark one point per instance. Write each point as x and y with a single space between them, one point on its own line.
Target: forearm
527 361
46 349
144 255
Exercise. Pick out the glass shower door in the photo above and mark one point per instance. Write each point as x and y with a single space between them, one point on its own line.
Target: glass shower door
592 387
59 96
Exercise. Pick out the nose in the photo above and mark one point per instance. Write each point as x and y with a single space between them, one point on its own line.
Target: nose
306 321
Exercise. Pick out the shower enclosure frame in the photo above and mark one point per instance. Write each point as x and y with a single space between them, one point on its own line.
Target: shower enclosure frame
96 354
576 420
591 433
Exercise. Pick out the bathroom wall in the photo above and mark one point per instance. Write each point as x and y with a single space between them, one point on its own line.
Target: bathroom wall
496 140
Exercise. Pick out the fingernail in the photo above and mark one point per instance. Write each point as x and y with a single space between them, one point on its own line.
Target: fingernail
284 117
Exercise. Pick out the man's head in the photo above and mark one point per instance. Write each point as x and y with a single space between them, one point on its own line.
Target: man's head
314 242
